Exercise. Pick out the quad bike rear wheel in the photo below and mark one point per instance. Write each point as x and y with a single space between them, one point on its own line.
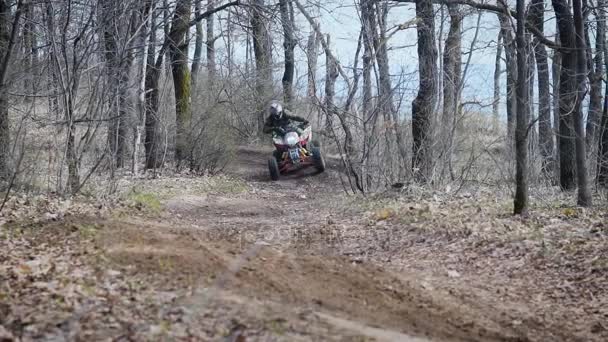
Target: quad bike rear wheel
317 157
273 168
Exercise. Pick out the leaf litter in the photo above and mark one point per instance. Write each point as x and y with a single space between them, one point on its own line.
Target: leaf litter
435 265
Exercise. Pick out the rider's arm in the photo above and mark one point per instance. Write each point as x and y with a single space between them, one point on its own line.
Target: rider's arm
268 126
292 117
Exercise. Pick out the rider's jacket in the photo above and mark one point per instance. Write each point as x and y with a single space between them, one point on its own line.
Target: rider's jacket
271 124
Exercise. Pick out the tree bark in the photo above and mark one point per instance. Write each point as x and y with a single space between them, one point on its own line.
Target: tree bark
385 89
595 77
368 111
198 46
30 52
497 74
602 158
424 103
567 94
511 68
584 194
452 73
312 52
330 91
263 59
556 71
9 25
211 65
118 64
521 134
545 134
178 50
289 45
153 71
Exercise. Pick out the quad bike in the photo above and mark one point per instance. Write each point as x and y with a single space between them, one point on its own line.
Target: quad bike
295 150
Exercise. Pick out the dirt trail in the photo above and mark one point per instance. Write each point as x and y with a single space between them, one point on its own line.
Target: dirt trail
271 264
255 251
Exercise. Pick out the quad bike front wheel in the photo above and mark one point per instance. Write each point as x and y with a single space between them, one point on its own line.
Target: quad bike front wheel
317 157
273 168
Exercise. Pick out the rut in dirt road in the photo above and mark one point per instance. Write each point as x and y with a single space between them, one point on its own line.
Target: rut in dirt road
280 242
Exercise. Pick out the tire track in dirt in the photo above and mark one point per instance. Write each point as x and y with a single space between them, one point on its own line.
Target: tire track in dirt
253 247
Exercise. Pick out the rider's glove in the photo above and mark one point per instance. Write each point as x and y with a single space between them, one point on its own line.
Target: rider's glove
280 130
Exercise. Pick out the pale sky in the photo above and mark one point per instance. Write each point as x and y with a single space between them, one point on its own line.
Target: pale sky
340 19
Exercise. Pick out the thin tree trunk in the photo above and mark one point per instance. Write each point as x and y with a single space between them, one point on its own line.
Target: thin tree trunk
181 78
511 67
584 195
8 34
330 91
198 47
521 136
424 103
263 59
602 158
289 44
211 65
312 53
545 135
556 71
368 111
110 18
532 129
497 74
153 72
29 47
567 94
452 73
595 78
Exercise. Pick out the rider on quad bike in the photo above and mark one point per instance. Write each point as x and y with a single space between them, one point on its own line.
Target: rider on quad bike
279 120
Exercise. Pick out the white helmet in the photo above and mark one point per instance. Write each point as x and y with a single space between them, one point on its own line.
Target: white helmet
276 110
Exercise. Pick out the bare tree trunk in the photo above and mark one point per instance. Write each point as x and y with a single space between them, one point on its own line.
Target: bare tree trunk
118 68
511 67
521 136
556 72
584 195
181 78
497 74
602 158
29 44
595 77
330 91
312 52
198 47
424 104
263 59
211 67
9 25
385 89
368 111
153 72
289 44
545 135
530 78
452 73
567 94
52 73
